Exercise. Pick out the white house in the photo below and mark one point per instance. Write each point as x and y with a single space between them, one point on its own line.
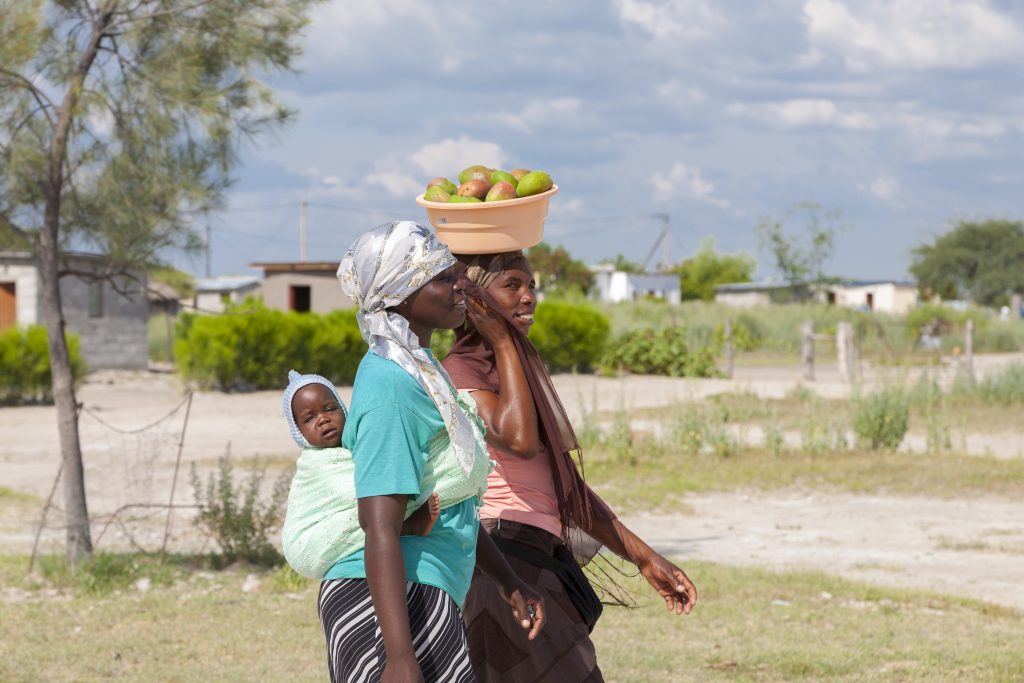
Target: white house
884 296
615 285
111 326
213 294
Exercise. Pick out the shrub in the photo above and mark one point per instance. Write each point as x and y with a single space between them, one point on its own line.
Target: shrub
880 420
25 365
253 347
660 352
1006 388
236 517
569 336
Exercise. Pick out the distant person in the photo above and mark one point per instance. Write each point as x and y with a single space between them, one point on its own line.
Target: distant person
321 525
391 611
536 500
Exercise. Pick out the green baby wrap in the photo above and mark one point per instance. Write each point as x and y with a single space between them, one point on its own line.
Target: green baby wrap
321 523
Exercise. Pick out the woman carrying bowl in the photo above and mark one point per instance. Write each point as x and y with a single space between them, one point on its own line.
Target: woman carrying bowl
391 611
536 500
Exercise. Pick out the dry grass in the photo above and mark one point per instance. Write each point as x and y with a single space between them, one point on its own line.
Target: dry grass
750 625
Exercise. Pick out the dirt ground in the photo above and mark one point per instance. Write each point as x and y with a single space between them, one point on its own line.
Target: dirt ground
972 548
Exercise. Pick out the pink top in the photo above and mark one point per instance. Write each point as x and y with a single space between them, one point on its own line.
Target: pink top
523 491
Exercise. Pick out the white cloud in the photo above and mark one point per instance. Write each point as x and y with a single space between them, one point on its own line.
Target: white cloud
681 94
805 112
686 181
688 19
884 187
449 156
914 34
396 183
541 112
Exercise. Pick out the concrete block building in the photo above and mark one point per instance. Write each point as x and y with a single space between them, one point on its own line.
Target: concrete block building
111 326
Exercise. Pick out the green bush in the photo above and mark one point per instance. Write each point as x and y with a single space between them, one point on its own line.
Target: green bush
25 365
236 517
253 347
880 420
661 352
569 336
1006 388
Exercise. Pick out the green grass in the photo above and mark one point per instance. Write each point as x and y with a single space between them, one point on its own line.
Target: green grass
9 495
749 625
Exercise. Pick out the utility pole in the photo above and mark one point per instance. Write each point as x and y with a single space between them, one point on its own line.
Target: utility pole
666 264
208 240
303 208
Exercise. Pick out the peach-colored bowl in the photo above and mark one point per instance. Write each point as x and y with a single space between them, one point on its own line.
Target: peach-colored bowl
490 227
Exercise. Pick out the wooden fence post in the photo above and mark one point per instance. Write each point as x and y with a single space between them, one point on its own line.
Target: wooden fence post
969 350
808 350
1015 304
728 348
846 351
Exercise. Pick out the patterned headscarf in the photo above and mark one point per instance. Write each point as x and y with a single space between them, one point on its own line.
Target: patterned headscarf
296 382
484 269
382 268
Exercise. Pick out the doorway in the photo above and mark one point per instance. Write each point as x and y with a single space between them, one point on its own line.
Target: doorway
8 305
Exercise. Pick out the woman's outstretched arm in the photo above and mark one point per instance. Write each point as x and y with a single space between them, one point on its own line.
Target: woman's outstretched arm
671 582
511 416
381 518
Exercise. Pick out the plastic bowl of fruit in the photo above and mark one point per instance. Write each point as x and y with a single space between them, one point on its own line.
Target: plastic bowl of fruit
484 214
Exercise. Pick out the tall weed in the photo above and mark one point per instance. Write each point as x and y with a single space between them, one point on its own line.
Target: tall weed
881 419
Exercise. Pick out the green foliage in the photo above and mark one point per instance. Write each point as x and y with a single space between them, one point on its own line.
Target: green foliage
1003 388
569 336
441 343
662 351
254 347
25 365
802 259
979 259
237 517
557 272
623 264
699 274
182 283
881 419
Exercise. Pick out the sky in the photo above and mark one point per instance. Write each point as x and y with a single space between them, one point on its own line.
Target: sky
905 115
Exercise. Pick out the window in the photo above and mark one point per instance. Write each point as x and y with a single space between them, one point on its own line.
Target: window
299 298
95 299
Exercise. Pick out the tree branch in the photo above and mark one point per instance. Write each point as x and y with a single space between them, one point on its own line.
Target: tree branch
160 13
41 98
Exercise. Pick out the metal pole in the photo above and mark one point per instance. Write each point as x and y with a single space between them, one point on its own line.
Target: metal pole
174 481
303 207
665 241
208 240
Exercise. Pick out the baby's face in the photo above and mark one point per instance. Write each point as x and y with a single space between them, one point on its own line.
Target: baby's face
318 416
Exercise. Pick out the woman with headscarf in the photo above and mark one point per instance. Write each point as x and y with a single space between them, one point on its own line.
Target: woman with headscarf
536 502
391 611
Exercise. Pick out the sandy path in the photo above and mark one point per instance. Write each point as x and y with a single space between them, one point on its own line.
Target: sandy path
972 548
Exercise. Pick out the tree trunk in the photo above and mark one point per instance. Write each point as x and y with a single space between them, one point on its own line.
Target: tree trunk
79 537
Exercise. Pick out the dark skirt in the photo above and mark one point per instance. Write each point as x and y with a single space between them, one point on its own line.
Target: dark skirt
498 646
355 649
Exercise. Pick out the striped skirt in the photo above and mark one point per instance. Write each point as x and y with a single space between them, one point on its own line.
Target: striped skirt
355 649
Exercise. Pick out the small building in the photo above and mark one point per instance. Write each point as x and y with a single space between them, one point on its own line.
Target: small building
753 294
111 324
213 294
616 285
303 286
884 296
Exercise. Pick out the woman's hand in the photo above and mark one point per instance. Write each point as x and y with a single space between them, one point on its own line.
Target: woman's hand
402 670
671 582
527 607
491 326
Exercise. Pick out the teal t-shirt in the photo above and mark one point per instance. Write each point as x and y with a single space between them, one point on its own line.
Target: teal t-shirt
389 426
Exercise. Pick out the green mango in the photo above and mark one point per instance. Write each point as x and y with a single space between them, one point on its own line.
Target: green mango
500 192
499 176
475 172
533 183
436 193
445 184
456 199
